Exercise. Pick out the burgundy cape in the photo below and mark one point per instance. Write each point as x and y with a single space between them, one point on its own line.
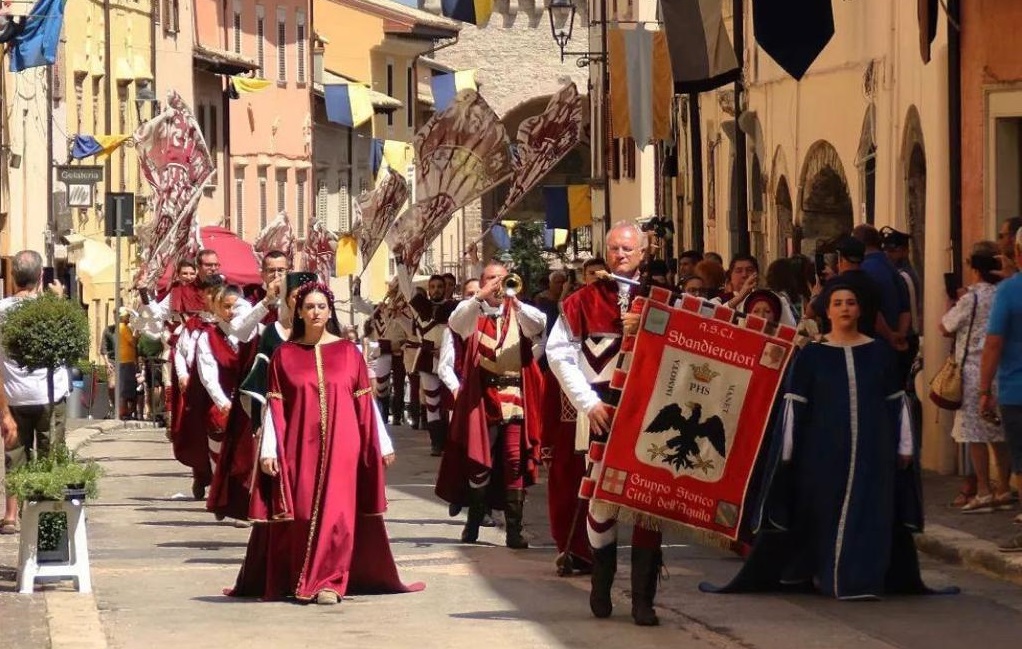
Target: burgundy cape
468 442
324 527
229 491
190 435
564 475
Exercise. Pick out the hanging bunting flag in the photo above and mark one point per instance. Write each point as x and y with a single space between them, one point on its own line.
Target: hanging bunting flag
641 85
375 155
555 238
376 210
175 161
248 84
476 12
568 207
446 87
793 44
702 57
542 142
347 256
395 154
85 146
36 44
462 153
500 237
348 104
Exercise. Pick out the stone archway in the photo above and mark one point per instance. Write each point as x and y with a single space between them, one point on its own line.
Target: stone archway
785 219
914 160
825 205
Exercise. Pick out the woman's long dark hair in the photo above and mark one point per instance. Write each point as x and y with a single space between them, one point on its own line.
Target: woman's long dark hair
298 325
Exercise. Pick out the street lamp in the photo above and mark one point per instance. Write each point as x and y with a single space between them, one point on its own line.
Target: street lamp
562 12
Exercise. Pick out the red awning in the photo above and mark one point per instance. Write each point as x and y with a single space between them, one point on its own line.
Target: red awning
238 262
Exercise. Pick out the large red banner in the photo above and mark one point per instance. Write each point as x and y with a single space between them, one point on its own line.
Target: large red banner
697 384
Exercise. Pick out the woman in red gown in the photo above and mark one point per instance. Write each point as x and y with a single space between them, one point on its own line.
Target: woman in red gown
320 489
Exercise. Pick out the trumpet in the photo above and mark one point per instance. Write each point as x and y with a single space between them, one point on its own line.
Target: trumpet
511 284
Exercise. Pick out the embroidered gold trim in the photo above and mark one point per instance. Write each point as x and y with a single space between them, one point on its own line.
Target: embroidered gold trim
359 393
274 395
317 499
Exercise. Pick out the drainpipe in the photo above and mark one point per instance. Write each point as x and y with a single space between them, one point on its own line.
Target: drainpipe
954 82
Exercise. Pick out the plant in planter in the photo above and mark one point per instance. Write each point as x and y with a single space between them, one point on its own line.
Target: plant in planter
47 333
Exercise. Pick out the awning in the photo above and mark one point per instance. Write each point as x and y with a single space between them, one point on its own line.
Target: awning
238 262
220 61
94 260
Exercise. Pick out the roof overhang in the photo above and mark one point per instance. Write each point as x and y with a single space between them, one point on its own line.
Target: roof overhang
220 61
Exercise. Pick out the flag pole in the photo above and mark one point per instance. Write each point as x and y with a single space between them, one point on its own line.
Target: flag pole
740 200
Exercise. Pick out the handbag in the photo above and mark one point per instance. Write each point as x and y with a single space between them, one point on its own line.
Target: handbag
946 386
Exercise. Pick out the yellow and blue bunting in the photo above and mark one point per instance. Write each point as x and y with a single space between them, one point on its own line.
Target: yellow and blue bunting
446 87
348 104
568 207
476 12
86 146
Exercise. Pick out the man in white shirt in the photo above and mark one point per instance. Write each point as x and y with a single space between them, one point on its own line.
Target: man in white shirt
40 427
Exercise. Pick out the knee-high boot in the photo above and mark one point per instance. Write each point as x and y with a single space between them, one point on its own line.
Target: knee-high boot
602 579
514 514
476 511
646 564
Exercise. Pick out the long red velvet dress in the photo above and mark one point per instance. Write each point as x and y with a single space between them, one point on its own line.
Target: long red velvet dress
323 512
190 435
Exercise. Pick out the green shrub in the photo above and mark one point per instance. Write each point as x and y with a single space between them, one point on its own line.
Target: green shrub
47 477
46 332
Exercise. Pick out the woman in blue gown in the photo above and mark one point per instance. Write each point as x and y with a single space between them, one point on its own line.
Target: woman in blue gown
842 497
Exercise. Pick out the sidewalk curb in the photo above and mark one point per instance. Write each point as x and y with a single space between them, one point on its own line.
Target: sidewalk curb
73 618
957 547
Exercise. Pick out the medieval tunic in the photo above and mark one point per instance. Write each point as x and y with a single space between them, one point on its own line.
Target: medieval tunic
220 361
497 417
189 438
325 507
254 385
838 512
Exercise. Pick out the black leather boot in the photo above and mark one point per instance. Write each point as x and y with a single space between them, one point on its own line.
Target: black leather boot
436 437
514 513
646 564
602 579
476 511
397 409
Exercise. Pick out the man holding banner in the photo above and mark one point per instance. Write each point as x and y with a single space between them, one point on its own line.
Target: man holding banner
582 350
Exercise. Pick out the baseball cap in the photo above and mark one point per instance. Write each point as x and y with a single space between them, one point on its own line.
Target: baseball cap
851 249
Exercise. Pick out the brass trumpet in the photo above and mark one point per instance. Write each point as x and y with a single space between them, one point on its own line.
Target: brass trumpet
511 284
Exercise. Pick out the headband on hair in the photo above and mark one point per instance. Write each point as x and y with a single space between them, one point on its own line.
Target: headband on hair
315 287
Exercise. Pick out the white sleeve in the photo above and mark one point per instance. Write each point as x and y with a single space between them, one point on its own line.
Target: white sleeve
157 310
386 445
905 442
209 372
788 444
787 313
562 353
445 366
464 318
268 448
181 355
245 325
362 305
531 320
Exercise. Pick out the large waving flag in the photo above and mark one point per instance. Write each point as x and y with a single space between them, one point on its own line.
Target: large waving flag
375 211
277 235
542 142
319 253
463 152
446 87
702 57
175 160
348 104
36 44
641 86
476 12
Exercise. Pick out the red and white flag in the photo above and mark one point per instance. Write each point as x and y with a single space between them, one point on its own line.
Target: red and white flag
462 153
277 235
320 250
542 142
175 160
375 211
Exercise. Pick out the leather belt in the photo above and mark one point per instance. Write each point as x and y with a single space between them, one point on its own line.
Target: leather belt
503 381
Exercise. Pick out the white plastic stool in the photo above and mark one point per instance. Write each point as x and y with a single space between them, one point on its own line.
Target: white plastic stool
77 566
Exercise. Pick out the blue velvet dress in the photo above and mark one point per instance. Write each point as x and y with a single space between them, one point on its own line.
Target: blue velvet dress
839 515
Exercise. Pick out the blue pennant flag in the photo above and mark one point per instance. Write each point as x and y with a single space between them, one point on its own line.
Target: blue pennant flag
36 45
376 155
85 146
